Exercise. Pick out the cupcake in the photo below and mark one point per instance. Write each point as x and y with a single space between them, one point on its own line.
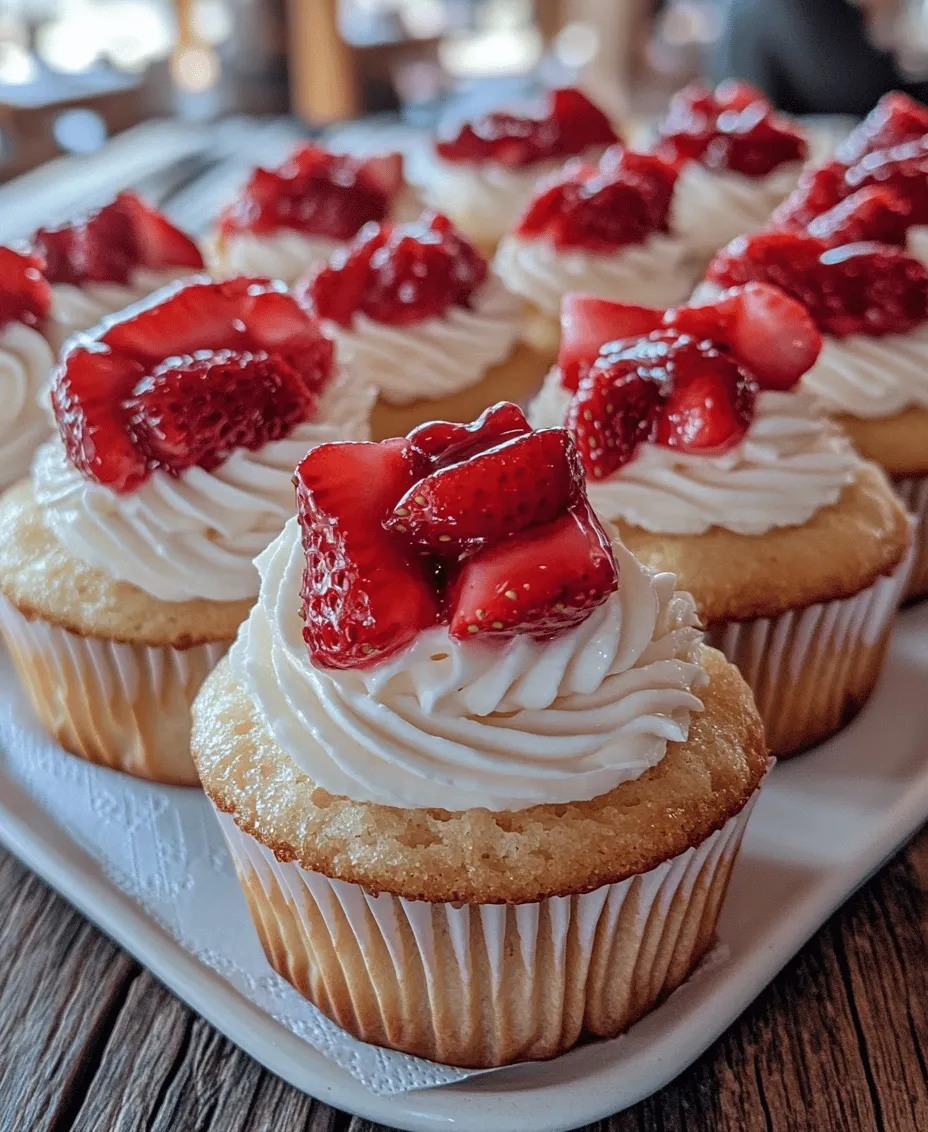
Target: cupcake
484 174
108 260
416 313
26 360
126 560
485 795
286 221
601 229
870 302
737 159
698 447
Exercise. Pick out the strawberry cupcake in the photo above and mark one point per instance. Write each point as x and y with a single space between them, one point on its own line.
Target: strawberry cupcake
482 783
106 261
126 562
26 360
737 160
416 313
698 447
601 229
484 174
286 221
870 302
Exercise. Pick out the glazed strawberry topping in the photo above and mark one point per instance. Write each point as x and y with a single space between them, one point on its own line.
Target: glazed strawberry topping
817 191
895 119
873 214
484 528
622 201
109 245
903 169
25 295
569 124
870 289
397 274
207 369
318 193
734 127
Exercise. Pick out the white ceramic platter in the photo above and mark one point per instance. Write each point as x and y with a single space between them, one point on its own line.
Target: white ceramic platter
823 825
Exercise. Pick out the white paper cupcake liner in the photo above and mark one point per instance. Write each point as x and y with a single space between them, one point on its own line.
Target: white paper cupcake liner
812 669
913 491
121 705
489 984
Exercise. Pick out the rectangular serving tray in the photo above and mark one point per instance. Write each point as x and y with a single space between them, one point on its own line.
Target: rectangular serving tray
824 824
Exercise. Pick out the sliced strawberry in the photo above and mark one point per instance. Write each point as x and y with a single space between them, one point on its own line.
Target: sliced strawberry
365 592
446 443
871 214
494 494
710 405
158 244
817 191
275 323
87 394
194 412
736 94
587 323
903 169
25 295
542 581
895 119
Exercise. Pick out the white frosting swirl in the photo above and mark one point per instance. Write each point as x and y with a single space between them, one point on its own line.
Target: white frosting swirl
652 274
872 377
75 309
26 361
194 535
284 254
710 207
790 464
457 725
437 356
484 199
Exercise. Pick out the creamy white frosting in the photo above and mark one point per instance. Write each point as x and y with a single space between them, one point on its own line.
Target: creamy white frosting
872 377
26 360
485 199
75 309
653 274
790 464
194 535
710 207
435 357
465 724
284 254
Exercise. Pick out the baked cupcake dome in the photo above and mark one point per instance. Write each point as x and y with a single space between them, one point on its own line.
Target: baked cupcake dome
440 926
697 447
128 556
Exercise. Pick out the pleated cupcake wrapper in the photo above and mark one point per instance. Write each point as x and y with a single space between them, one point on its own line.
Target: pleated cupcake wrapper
121 705
812 669
488 984
913 491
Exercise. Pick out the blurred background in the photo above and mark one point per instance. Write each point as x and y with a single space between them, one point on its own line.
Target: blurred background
75 72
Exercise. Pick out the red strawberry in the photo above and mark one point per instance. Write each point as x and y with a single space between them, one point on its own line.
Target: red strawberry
25 295
903 169
194 412
397 275
542 581
710 405
158 244
872 214
446 443
87 394
895 119
366 593
736 94
384 172
494 494
818 191
275 323
587 323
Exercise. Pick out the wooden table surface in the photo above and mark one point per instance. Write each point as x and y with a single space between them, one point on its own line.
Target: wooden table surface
91 1042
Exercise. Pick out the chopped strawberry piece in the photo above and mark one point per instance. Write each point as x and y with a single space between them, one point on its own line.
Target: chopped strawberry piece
903 169
895 119
817 191
195 411
870 289
25 295
521 483
710 404
444 442
873 214
622 201
397 274
109 245
736 94
587 323
569 124
542 581
318 193
366 593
